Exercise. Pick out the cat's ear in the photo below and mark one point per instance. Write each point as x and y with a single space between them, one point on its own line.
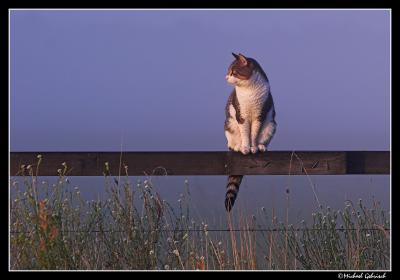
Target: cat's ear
235 56
242 59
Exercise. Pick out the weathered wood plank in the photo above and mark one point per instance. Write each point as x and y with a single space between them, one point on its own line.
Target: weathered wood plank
206 163
372 162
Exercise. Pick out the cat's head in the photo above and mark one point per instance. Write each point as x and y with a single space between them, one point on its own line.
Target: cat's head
242 70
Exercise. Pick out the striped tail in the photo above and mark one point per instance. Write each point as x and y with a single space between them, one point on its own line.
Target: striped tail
232 189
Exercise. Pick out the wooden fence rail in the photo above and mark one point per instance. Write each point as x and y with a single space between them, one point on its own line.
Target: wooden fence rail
204 163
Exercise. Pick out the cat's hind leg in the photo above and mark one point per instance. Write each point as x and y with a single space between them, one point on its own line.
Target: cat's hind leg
266 133
232 134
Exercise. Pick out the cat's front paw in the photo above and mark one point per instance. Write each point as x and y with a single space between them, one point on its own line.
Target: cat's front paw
245 150
254 149
237 148
262 148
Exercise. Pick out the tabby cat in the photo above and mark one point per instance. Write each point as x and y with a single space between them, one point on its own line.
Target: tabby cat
250 115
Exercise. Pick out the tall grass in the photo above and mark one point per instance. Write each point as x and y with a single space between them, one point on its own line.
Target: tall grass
52 227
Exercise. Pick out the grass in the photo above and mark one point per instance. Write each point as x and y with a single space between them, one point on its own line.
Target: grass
53 228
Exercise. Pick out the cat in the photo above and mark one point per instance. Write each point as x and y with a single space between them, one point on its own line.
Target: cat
250 115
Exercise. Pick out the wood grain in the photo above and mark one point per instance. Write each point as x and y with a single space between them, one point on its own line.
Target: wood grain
205 163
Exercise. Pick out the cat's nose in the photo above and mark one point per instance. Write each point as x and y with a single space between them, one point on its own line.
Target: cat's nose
226 77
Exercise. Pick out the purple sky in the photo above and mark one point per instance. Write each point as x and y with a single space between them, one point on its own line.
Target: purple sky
82 79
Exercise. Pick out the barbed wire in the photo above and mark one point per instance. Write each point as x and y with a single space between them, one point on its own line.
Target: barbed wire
221 230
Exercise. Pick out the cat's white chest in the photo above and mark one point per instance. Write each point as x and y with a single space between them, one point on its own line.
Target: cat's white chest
251 101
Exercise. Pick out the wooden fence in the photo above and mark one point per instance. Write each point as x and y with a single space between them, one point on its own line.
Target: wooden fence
203 163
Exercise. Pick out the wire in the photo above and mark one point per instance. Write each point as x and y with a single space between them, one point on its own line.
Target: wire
217 230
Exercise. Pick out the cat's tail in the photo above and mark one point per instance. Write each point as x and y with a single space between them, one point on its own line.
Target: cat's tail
232 189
